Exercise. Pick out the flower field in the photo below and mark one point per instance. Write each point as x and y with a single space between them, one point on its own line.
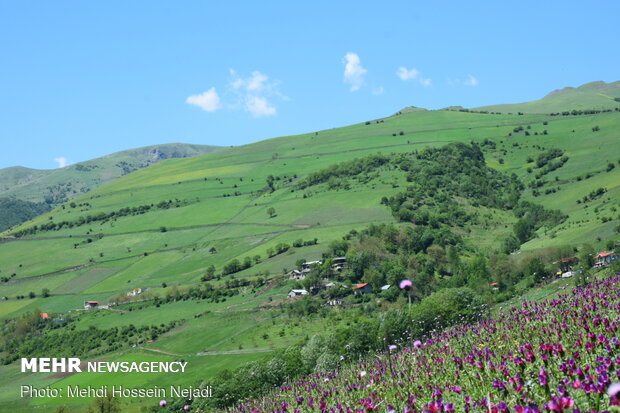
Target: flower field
557 355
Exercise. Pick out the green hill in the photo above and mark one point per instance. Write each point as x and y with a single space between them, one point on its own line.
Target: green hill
591 96
437 196
55 186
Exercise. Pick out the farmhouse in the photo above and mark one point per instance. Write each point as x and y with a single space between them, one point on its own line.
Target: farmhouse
45 315
605 258
88 305
297 293
136 291
307 265
566 264
362 289
296 275
340 263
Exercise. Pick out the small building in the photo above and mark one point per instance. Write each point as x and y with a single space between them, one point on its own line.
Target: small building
136 291
361 289
45 316
566 263
309 264
340 263
297 293
296 275
314 290
386 287
603 259
89 305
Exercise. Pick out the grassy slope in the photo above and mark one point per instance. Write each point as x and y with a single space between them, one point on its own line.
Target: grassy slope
33 184
594 95
239 226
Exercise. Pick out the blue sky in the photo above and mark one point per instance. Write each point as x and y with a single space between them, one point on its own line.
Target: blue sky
82 79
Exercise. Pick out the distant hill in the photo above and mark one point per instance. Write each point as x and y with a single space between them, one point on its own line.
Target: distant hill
591 96
16 211
55 186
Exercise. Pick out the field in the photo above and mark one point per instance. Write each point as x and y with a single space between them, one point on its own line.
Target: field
160 228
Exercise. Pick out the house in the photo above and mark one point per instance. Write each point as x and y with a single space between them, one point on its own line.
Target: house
386 287
45 316
361 289
566 264
340 263
307 265
296 275
603 259
297 293
315 289
136 291
88 305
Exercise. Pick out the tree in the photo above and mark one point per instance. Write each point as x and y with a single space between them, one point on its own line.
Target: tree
212 250
31 294
272 212
537 269
586 257
45 292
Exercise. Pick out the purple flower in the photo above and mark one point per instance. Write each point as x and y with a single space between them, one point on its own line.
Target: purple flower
186 407
162 403
405 284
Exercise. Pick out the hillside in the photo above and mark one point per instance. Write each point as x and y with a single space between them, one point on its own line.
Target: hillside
591 96
28 192
55 186
439 197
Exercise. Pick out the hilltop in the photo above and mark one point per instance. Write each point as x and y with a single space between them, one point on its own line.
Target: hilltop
40 190
591 96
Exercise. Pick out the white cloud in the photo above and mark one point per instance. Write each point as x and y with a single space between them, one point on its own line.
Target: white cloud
353 71
208 101
378 91
405 74
61 161
424 81
413 74
254 93
259 107
471 81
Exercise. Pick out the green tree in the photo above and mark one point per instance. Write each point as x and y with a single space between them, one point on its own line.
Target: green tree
45 292
536 269
271 212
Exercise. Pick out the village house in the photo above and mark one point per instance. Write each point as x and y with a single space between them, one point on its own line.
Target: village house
309 264
361 289
89 305
565 264
296 275
297 293
136 291
340 263
603 259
